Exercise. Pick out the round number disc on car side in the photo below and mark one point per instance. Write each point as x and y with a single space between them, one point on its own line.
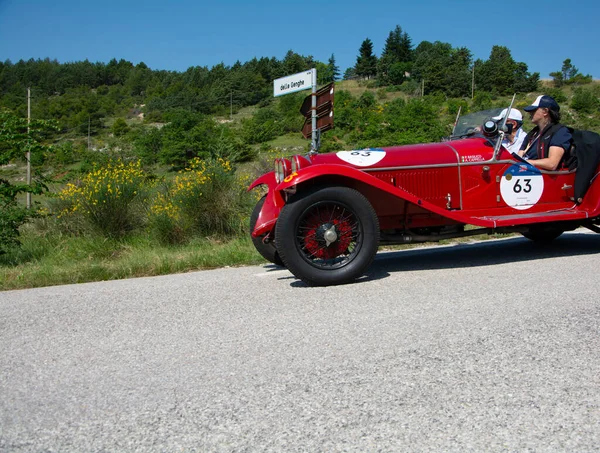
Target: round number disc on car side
521 186
363 157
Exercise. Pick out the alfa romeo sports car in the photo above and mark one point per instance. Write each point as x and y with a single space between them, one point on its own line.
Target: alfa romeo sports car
325 215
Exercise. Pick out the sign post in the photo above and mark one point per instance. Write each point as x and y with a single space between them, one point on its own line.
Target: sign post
324 109
298 82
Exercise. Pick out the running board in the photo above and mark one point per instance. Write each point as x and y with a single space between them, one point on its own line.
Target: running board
534 217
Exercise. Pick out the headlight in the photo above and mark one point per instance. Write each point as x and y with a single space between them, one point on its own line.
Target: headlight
299 162
282 169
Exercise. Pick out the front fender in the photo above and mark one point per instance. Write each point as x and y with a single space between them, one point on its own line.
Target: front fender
272 206
267 179
329 170
317 171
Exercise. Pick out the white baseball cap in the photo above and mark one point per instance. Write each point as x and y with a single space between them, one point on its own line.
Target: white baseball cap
514 115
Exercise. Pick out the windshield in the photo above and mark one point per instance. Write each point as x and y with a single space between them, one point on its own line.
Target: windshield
472 123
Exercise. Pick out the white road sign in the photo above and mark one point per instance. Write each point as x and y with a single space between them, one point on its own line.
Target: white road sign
292 83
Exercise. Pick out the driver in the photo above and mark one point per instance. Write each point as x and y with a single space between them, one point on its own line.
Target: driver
513 141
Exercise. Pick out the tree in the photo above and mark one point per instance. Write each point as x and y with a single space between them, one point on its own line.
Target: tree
334 70
15 141
398 49
293 63
502 74
120 127
568 70
432 62
350 73
557 78
569 74
458 74
366 62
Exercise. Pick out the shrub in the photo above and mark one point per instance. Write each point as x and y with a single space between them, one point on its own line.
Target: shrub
455 104
13 215
584 101
482 101
120 127
109 199
262 127
207 198
558 94
411 87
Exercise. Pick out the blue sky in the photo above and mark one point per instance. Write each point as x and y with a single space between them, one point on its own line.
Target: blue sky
175 35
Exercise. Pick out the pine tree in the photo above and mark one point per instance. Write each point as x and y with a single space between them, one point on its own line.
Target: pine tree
366 62
396 54
334 70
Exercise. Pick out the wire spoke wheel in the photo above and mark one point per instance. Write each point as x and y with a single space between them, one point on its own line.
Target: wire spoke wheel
328 236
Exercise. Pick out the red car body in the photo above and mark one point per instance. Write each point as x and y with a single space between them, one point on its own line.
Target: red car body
418 193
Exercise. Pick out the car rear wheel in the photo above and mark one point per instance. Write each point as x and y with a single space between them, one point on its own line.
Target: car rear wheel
543 235
267 249
327 236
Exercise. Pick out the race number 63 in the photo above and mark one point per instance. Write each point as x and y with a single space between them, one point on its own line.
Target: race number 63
521 186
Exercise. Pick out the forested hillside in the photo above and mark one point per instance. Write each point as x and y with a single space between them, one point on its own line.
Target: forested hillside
122 152
166 117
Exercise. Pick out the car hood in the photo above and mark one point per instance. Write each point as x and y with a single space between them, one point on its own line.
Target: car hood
444 153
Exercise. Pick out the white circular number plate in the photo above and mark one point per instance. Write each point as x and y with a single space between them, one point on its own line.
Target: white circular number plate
363 157
521 186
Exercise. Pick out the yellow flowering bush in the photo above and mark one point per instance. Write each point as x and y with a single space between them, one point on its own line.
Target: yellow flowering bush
205 198
109 198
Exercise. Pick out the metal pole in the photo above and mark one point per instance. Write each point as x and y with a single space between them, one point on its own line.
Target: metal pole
473 83
314 110
28 157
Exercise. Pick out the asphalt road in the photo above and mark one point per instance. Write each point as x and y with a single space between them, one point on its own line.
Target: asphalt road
493 346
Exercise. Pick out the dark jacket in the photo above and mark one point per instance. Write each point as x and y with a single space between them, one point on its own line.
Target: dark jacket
552 135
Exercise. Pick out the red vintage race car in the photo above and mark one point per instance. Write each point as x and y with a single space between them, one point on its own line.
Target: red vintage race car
325 215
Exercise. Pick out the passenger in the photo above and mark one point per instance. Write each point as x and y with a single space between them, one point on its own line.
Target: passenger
548 145
513 141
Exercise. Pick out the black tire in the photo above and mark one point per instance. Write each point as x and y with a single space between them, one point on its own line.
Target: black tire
267 250
328 236
543 235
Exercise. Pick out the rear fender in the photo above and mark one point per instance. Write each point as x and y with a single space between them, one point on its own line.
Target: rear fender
591 200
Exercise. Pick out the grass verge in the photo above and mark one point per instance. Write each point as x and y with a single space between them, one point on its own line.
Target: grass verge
60 260
48 261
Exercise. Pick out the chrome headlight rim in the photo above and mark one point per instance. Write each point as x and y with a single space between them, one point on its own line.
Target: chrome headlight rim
282 169
299 162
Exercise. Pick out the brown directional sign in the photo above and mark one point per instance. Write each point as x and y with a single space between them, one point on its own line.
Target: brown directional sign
324 110
324 122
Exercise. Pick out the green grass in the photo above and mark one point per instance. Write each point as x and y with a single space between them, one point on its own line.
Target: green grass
56 260
292 140
52 259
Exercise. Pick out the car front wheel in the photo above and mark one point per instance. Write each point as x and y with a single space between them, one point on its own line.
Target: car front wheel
328 236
